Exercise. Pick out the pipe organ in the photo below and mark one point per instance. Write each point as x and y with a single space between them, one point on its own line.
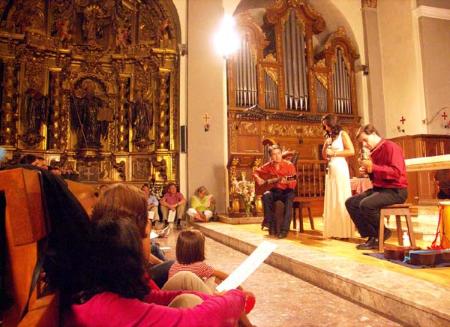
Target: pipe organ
289 72
245 66
341 80
294 64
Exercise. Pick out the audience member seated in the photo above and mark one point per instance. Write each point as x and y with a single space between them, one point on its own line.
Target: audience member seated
190 253
55 170
122 200
173 201
442 179
31 159
202 205
152 203
119 294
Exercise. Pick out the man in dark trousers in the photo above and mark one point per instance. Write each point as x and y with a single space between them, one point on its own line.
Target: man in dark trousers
282 189
387 171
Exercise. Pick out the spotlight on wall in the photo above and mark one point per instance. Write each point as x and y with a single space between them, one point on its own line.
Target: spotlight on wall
226 40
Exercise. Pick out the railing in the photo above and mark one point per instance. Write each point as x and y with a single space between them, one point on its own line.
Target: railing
311 178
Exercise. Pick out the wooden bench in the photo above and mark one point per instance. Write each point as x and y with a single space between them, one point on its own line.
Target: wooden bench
397 210
25 225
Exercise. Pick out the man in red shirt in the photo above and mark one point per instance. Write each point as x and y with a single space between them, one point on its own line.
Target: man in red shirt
282 190
387 171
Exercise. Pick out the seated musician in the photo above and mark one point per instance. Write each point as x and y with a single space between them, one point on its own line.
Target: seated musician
387 171
281 190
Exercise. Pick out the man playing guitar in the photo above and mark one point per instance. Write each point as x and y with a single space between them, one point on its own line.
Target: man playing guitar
282 189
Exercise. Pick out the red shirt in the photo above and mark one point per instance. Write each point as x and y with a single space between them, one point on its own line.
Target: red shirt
172 199
285 168
389 170
201 269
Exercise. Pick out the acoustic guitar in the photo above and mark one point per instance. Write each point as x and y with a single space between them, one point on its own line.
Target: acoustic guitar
270 181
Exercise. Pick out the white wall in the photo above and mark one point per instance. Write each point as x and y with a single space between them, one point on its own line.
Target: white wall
205 75
402 76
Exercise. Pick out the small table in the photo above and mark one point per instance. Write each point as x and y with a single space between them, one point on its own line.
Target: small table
360 184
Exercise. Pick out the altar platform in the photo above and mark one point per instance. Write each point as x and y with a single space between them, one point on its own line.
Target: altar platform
418 297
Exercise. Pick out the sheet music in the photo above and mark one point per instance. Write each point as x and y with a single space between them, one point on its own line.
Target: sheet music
247 267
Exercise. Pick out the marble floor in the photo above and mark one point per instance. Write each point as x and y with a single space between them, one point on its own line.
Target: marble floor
284 300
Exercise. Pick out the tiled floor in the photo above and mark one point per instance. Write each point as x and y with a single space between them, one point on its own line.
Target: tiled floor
284 300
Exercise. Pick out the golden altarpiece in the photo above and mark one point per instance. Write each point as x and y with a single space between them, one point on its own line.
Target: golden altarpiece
281 82
92 86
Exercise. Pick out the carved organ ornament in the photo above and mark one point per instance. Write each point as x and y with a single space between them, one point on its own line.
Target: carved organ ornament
281 82
92 86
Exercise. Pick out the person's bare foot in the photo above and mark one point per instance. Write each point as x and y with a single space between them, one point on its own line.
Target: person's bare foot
200 217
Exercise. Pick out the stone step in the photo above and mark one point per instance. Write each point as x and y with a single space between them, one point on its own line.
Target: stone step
401 297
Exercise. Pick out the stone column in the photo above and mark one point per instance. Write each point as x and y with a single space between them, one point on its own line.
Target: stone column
206 89
377 115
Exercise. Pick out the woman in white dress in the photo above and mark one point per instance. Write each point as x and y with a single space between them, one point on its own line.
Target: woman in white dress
337 147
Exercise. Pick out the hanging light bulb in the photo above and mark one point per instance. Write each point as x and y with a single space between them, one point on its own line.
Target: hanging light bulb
226 40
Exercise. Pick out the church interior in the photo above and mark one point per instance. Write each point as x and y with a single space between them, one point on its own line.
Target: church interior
188 101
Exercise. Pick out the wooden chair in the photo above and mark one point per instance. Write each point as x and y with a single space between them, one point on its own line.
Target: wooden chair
298 205
397 210
25 225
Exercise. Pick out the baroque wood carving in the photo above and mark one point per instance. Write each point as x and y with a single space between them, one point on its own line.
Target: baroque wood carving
92 85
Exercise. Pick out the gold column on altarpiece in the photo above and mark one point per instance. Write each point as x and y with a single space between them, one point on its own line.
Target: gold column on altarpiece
163 108
123 130
8 132
55 87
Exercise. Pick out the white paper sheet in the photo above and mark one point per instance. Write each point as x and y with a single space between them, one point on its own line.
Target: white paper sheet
171 216
247 267
153 235
151 214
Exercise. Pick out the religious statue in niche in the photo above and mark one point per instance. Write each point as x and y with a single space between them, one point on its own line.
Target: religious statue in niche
94 22
35 114
142 119
26 15
90 114
123 37
270 50
166 34
61 29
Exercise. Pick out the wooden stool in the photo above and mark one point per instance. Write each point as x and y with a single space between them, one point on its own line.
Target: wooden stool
298 205
396 210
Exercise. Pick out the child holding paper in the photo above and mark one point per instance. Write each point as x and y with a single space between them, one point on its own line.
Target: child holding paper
190 254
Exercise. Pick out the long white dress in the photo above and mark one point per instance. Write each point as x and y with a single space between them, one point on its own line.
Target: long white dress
336 220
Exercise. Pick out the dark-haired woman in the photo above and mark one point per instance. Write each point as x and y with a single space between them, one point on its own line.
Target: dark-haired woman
337 147
119 294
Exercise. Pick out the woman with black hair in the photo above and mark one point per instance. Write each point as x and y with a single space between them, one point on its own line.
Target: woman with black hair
118 294
336 148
